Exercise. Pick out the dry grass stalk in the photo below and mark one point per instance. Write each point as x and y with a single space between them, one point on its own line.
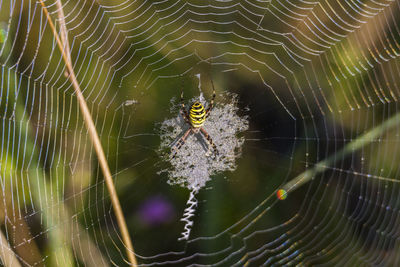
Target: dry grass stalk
7 255
65 51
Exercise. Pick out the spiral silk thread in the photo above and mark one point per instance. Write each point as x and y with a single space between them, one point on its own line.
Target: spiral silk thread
188 214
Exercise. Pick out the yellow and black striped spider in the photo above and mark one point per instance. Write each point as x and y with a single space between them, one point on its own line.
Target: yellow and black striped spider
195 118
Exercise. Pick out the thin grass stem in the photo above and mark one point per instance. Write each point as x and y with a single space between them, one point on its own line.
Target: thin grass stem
354 145
7 255
63 45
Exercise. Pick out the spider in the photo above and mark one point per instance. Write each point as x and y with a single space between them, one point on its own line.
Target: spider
195 118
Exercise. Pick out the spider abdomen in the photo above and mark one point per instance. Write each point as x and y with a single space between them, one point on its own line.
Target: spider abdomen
197 115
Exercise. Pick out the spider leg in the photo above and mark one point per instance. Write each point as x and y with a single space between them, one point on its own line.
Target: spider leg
211 105
180 142
183 110
209 140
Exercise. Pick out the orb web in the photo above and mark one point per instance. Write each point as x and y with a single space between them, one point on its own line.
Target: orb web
318 81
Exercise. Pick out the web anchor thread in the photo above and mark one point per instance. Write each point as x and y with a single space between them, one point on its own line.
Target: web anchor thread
190 209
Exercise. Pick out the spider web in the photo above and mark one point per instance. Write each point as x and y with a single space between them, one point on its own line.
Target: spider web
318 81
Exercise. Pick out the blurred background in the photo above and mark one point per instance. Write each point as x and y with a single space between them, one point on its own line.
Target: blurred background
311 77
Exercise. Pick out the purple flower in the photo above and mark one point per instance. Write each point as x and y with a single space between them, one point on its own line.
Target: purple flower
156 210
